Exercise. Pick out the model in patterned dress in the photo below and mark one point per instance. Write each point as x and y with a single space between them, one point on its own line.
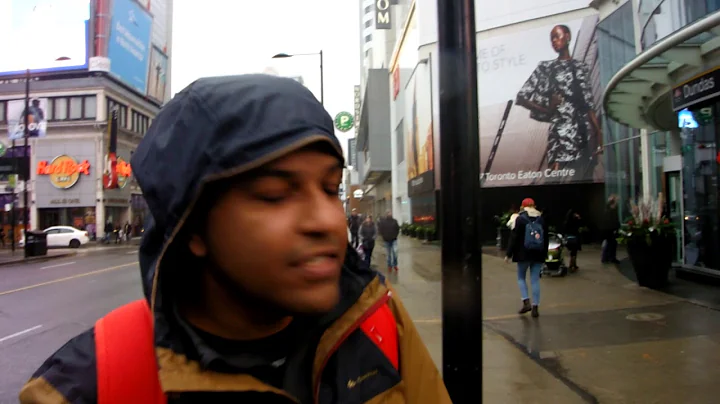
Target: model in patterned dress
558 91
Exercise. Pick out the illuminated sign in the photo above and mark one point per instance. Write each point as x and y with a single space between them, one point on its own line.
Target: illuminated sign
124 172
64 171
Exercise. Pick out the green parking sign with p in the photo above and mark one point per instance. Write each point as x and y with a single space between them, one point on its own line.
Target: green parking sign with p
344 121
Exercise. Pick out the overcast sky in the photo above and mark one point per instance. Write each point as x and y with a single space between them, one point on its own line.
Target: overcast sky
220 37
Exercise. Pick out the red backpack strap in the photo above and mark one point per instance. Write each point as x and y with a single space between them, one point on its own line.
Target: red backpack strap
127 370
381 328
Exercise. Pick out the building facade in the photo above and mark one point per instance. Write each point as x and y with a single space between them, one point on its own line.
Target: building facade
381 23
661 98
524 152
115 57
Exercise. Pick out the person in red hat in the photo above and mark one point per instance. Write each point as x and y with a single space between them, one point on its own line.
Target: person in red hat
528 248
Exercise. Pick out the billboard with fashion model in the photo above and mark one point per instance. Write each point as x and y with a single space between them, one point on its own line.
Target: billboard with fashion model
539 100
37 118
493 14
419 150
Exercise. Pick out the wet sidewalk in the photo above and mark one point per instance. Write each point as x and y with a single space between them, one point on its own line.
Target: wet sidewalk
599 339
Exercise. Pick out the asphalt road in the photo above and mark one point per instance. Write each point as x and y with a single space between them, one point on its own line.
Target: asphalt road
44 304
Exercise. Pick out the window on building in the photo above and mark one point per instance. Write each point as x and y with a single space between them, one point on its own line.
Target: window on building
60 109
368 38
3 105
70 108
122 112
90 107
76 108
400 141
140 122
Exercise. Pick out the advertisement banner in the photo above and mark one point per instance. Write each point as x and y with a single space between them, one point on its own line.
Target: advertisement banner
492 14
157 82
699 89
36 33
383 18
420 155
539 97
129 46
110 171
37 119
352 152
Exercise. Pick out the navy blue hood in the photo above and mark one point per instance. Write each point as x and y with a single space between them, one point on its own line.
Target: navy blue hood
214 129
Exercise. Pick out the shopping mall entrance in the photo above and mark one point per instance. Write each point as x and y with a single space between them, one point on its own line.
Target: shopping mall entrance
691 189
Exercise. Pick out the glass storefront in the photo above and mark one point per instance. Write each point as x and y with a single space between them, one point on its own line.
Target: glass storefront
698 187
623 167
660 18
80 218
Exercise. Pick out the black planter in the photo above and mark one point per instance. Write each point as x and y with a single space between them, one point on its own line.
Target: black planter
651 261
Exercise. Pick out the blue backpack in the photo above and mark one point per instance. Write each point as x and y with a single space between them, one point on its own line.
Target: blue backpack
534 234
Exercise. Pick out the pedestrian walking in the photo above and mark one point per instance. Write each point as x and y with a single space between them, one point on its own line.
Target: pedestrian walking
253 294
354 222
389 230
368 232
573 222
109 230
609 226
528 248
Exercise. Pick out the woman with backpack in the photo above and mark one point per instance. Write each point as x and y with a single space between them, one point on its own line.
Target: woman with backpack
528 248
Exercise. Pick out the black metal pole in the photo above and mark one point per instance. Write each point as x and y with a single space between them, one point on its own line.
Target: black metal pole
460 202
26 134
322 80
13 217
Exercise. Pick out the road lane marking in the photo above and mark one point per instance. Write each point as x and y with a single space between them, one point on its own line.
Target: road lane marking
17 334
68 278
58 265
132 252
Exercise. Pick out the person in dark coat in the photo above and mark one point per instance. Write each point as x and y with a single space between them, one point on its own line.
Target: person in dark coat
573 222
609 227
252 290
354 222
389 230
528 256
368 232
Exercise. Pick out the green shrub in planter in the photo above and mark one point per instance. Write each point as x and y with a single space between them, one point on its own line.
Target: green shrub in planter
412 230
430 233
420 232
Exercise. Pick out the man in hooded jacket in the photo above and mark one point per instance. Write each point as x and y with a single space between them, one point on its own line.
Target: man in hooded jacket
253 293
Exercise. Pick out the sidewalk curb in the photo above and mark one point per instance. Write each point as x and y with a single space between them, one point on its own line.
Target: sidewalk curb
37 259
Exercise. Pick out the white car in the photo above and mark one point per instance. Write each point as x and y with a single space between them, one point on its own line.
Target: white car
63 236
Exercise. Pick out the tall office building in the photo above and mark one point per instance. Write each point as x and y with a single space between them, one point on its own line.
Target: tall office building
91 58
380 26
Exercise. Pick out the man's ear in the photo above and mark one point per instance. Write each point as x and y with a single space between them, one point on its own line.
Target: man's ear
197 246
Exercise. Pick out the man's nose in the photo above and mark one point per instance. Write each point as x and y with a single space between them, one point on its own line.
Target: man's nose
322 214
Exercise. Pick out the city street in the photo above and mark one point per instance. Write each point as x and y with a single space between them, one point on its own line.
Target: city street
44 304
599 339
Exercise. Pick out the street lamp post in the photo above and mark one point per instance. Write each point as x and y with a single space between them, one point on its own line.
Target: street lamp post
322 75
460 202
26 136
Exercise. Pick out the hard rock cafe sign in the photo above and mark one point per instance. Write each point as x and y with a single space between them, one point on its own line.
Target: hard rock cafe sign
124 172
63 171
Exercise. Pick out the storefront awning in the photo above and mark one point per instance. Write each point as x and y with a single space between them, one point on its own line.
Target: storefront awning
639 95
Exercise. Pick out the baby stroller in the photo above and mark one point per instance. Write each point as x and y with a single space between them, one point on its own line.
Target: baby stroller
555 262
